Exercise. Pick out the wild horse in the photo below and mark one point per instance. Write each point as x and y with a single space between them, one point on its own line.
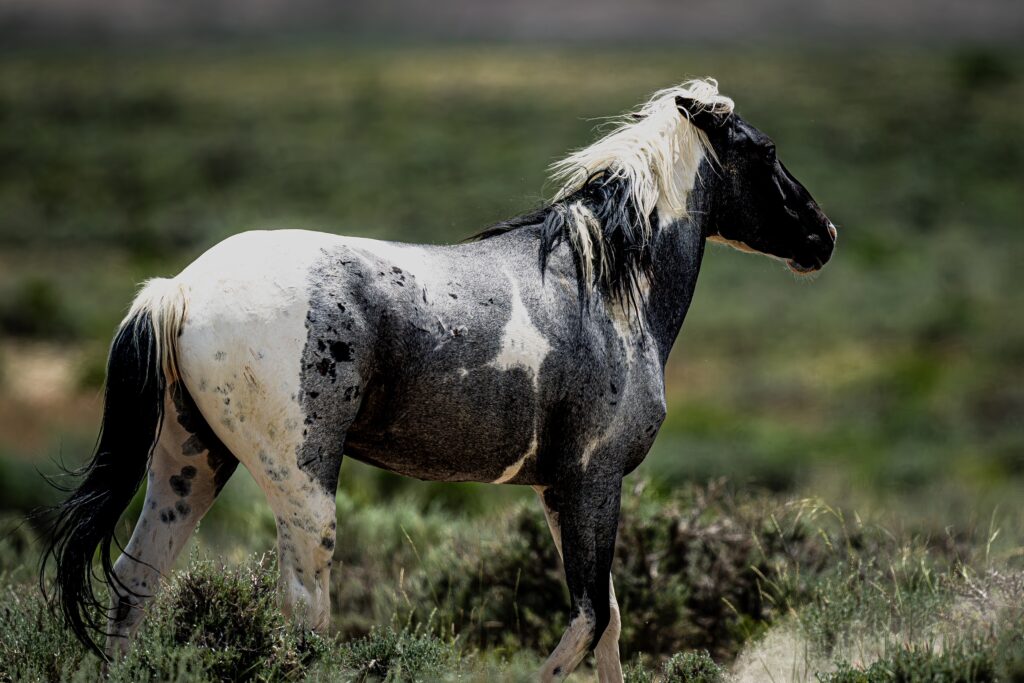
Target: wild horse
532 355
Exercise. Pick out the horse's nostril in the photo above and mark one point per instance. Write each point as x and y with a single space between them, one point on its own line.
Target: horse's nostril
833 233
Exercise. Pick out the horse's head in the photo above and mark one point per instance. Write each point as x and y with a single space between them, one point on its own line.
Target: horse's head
758 205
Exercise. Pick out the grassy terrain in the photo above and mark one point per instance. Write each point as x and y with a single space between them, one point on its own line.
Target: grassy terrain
892 386
772 588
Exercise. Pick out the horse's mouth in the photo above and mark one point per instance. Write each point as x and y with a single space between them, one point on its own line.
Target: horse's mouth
802 269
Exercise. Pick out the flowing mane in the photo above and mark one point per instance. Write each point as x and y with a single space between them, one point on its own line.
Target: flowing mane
613 193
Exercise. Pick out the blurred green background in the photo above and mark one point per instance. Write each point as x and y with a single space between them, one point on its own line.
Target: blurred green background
895 377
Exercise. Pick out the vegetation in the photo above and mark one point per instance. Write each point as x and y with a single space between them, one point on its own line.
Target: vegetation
790 588
835 494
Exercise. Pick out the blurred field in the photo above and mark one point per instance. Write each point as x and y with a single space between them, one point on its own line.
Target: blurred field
893 384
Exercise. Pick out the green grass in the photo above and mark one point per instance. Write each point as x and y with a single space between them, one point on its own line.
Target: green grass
714 586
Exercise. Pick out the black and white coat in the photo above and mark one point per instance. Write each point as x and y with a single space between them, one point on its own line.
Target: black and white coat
534 355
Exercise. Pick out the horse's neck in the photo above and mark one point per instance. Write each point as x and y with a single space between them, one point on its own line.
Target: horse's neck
677 250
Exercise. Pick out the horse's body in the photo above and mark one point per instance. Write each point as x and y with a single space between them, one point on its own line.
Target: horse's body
441 363
283 350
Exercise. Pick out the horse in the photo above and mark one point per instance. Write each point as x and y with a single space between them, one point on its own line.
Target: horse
532 355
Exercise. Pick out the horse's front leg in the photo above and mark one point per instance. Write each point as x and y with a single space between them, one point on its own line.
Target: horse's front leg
609 666
583 515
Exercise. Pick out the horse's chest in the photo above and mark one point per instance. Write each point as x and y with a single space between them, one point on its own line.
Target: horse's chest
624 433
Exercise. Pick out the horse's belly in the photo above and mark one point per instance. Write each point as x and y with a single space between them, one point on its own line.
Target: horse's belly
426 464
480 424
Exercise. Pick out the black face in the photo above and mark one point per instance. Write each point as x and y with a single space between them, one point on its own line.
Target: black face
758 205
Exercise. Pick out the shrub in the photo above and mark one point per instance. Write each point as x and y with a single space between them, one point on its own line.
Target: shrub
499 585
637 672
964 643
391 655
34 645
694 569
702 569
692 667
969 663
221 623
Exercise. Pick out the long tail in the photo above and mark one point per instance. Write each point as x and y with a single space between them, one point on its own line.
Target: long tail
142 362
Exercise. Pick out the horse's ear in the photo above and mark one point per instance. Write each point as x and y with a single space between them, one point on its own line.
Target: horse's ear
700 115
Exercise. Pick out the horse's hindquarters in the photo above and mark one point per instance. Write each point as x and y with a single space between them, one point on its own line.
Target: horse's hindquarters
243 356
241 348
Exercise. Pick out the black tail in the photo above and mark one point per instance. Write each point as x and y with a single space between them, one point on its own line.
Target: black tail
132 414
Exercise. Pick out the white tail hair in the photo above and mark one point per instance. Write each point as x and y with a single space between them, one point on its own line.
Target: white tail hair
166 302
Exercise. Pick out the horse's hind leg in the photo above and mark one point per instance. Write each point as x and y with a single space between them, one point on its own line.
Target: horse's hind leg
188 469
306 527
296 464
301 484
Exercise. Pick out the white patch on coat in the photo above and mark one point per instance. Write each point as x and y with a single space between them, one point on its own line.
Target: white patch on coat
242 343
512 470
628 328
522 344
240 355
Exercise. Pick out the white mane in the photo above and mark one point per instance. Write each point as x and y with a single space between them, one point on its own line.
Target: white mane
655 149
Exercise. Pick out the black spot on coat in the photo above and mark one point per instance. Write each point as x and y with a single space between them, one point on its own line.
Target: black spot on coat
341 352
181 485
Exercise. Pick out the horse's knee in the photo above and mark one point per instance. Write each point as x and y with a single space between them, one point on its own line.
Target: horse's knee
306 538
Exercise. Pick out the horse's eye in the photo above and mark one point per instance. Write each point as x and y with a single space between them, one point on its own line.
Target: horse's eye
769 153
